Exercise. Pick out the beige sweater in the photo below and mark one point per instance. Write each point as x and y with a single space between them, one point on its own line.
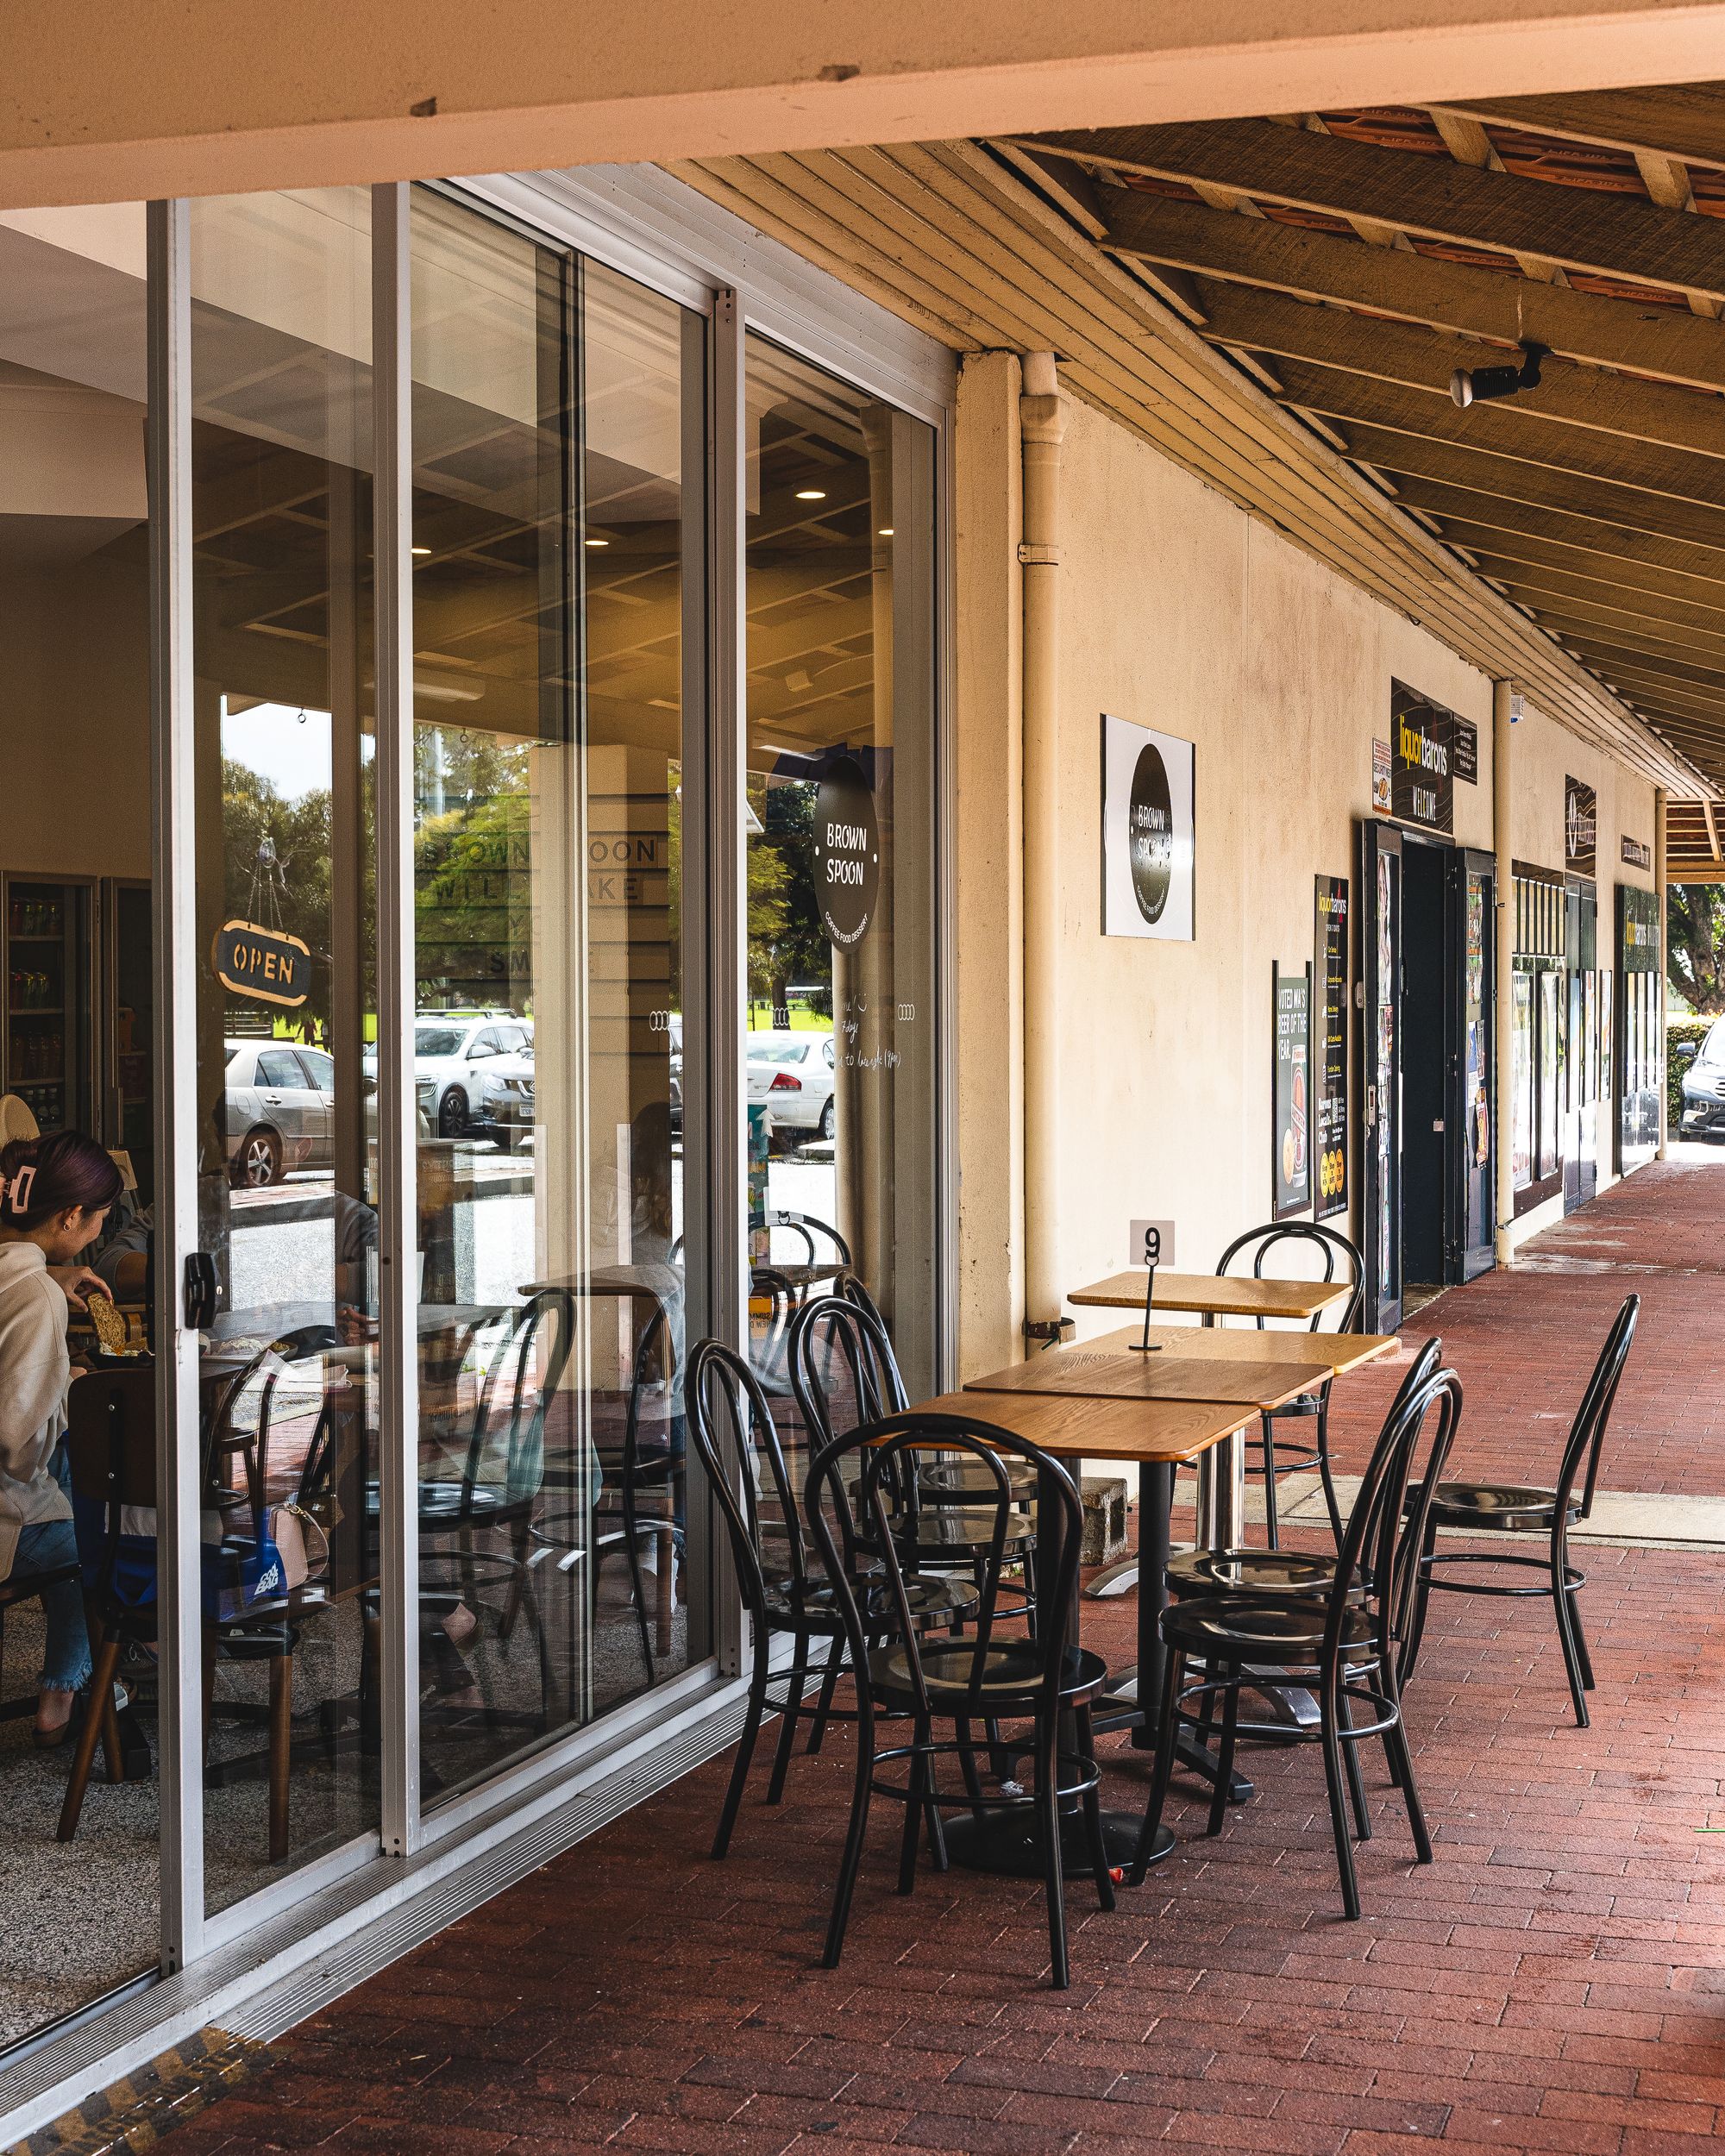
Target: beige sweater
34 1372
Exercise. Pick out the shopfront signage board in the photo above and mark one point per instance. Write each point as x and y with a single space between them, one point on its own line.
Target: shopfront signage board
1381 763
1464 746
1147 833
847 853
1581 827
1638 911
1421 779
1290 1090
1329 1142
1637 854
263 965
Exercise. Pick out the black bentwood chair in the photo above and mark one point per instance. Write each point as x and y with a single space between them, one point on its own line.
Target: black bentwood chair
1045 1677
1523 1508
1341 1645
735 1437
1286 1456
844 1372
1255 1573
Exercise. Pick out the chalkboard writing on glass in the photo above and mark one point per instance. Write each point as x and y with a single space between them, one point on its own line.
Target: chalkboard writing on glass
1290 1090
1330 1059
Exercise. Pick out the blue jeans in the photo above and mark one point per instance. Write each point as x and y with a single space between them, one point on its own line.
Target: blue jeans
45 1548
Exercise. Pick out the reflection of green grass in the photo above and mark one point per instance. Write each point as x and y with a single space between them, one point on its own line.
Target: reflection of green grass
803 1020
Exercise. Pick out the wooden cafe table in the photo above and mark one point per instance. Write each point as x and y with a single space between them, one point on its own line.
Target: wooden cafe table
1158 1435
1221 1473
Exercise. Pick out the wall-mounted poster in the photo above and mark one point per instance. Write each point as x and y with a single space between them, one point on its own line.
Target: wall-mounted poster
1290 1089
1330 1061
1147 801
1581 827
1381 796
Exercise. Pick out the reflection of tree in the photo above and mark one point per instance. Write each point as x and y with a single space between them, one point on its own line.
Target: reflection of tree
1695 920
800 949
294 893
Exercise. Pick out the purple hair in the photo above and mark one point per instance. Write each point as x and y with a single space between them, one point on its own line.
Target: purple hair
41 1176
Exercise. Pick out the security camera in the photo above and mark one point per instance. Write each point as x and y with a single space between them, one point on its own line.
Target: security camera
1478 385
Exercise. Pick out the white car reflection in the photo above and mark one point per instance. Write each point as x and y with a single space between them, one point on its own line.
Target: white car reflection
793 1072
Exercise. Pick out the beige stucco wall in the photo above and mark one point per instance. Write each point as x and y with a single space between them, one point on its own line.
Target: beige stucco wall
1179 612
1542 755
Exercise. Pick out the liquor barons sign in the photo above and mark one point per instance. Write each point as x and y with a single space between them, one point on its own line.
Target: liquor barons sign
265 965
1421 778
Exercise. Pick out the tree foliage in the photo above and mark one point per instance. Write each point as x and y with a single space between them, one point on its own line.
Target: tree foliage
1695 931
276 868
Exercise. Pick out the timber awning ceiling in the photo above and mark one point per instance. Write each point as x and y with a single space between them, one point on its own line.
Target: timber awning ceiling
1343 265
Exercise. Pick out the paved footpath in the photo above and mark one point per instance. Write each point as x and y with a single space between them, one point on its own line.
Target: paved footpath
1554 1982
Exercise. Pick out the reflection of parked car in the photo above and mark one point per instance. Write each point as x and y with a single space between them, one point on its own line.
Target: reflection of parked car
475 1077
1704 1086
280 1111
794 1073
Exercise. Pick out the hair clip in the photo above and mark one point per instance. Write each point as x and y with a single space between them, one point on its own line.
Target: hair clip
18 1190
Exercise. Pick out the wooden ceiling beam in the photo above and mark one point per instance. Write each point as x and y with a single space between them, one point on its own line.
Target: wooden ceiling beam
1580 227
1659 639
1464 511
1693 524
1456 297
1518 557
1571 399
1671 671
1507 431
1684 121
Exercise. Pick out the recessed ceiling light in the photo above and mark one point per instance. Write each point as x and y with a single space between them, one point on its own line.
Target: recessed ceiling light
885 532
422 550
599 542
810 494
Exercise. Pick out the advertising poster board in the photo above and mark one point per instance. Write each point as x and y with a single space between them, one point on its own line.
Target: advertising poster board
1147 836
1290 1091
1329 1142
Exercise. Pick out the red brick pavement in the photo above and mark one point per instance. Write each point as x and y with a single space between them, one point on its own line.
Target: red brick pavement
1555 1981
1524 1340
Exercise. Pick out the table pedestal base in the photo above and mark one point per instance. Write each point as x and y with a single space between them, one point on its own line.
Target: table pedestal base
1007 1843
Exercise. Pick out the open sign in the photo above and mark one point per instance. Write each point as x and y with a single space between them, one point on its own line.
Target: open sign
265 965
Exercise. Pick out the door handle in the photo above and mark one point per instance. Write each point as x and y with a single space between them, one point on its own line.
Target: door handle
198 1295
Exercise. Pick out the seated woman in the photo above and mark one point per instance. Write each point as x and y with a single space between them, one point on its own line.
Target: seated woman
55 1195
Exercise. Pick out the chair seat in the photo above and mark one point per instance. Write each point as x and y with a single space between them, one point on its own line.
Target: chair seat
972 1478
1287 1632
816 1610
446 1505
954 1531
1501 1508
1010 1675
1251 1572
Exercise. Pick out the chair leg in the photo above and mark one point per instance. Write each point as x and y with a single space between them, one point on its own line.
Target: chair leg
1562 1603
915 1805
1273 1529
1047 1815
1401 1757
83 1754
1586 1660
1167 1730
1225 1756
631 1543
666 1581
280 1753
829 1685
1328 1707
745 1744
852 1857
1325 1475
1420 1602
1093 1815
1362 1818
788 1726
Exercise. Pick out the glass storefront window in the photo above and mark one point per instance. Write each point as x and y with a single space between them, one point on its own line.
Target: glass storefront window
839 1017
286 820
75 864
553 518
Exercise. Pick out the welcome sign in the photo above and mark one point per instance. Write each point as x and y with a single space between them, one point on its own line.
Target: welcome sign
1422 767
